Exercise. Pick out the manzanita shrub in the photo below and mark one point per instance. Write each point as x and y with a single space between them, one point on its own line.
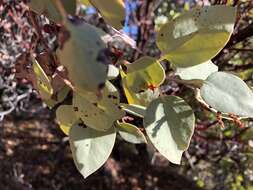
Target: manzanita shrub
97 110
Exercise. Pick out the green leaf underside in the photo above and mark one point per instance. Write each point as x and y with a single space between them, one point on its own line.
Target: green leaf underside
201 71
90 148
131 133
196 36
144 72
227 93
169 124
43 82
81 56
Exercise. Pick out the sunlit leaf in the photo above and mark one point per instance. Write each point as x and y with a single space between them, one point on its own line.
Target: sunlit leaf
90 148
196 36
169 124
43 82
113 11
66 117
227 93
136 110
144 73
89 107
201 71
61 95
142 98
130 133
81 56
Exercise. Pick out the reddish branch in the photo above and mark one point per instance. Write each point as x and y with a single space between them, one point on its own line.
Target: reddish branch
145 22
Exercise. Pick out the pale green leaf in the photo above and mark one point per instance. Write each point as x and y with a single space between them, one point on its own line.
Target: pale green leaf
43 81
196 36
131 133
60 96
144 73
90 148
81 55
113 11
85 2
90 107
169 124
227 93
147 96
136 110
143 98
50 10
201 71
65 117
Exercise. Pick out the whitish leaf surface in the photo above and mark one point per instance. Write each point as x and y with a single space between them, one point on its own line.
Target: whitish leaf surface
201 71
227 93
131 133
81 56
196 36
90 148
169 123
43 82
144 73
113 72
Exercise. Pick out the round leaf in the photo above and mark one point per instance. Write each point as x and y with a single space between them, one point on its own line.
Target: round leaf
90 148
201 71
227 93
131 133
66 117
144 73
50 10
61 95
136 110
99 115
113 11
142 98
196 36
169 123
81 55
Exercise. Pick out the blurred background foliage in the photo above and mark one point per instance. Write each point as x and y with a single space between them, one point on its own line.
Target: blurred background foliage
34 154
